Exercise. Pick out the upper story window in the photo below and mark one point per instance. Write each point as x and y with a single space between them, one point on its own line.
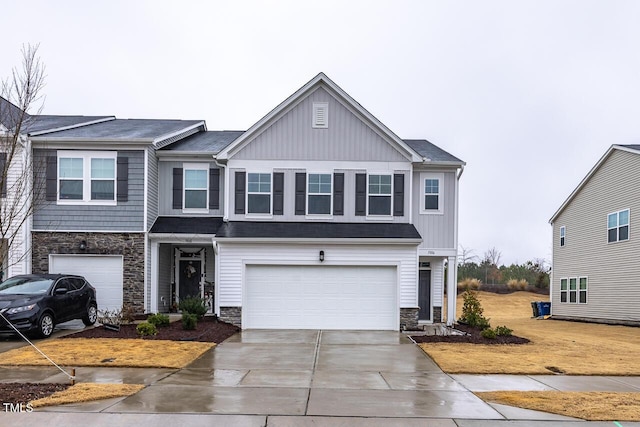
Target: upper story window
319 194
563 232
379 194
431 202
87 177
196 186
259 193
618 226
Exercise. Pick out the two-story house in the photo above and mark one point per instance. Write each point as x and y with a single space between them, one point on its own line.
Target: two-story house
596 256
318 216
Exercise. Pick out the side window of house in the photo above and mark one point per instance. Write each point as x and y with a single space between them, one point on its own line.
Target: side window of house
86 177
582 291
618 226
196 186
379 195
319 194
563 232
259 193
574 290
563 290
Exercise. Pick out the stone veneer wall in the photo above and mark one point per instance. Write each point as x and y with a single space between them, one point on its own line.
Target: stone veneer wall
231 315
437 314
409 318
129 245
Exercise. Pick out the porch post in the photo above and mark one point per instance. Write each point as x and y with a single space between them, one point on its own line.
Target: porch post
452 279
155 260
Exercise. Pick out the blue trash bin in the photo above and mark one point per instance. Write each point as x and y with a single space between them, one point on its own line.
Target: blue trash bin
544 308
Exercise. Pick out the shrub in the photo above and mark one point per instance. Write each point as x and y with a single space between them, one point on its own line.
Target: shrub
488 333
472 311
512 284
503 331
110 317
189 321
159 320
517 285
193 305
469 283
146 329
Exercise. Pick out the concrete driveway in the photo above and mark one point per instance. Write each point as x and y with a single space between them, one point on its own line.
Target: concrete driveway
320 373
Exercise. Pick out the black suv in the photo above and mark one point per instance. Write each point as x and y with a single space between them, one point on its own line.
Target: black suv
37 302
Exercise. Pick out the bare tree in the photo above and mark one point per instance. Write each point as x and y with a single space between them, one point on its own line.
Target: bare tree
19 195
492 256
466 255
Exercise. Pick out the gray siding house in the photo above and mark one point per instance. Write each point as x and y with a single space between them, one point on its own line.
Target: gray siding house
596 254
317 217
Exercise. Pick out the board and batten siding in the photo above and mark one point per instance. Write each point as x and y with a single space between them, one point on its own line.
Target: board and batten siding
125 216
165 188
152 187
437 229
612 269
234 257
328 167
292 136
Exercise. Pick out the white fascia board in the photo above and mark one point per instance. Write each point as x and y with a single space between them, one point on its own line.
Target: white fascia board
337 241
159 139
169 155
181 238
91 145
436 164
77 125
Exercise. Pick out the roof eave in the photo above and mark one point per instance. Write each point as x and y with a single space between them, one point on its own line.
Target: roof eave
161 138
342 240
92 122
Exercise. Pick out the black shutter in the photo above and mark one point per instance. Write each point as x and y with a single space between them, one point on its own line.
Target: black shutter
301 193
398 194
278 193
361 194
177 188
240 188
3 177
52 179
214 188
338 194
123 179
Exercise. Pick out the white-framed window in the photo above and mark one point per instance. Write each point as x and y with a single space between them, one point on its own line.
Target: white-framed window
196 187
618 226
379 191
432 194
259 193
573 290
87 177
563 233
319 193
320 118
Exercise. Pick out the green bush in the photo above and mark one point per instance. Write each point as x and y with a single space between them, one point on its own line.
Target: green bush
488 333
146 329
159 320
189 321
193 305
472 311
503 331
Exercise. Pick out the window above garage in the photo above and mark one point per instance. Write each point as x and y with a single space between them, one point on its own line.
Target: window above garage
87 177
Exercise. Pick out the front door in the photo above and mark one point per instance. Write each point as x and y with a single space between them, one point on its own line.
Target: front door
190 274
424 295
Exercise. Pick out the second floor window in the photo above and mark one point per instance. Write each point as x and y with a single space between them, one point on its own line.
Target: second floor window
431 194
259 193
618 226
319 194
563 232
87 176
379 195
196 180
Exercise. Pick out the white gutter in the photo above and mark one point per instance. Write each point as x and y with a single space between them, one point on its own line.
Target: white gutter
315 241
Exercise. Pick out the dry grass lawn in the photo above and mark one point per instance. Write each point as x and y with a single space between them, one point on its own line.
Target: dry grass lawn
591 406
108 352
569 347
86 392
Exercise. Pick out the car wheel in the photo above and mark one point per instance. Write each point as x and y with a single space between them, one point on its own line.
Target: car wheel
45 325
91 316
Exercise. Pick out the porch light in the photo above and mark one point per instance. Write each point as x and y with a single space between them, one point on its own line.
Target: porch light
83 245
321 256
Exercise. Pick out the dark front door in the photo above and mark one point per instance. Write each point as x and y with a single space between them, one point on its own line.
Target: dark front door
190 279
424 295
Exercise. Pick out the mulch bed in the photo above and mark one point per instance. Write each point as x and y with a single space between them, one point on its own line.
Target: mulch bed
207 330
472 337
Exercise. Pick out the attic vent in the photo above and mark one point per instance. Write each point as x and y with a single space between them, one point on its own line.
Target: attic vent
320 117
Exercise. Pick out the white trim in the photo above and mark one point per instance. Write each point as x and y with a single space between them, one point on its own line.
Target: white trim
617 227
390 196
195 167
315 241
432 176
563 236
328 215
247 193
145 186
159 139
86 230
336 166
87 157
154 276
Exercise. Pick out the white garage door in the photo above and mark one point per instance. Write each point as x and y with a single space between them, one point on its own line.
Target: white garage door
103 272
320 297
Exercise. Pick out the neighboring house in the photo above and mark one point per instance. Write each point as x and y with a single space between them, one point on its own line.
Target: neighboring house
596 255
318 216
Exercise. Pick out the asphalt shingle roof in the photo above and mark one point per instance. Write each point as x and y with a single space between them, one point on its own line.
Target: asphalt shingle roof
209 141
186 225
431 151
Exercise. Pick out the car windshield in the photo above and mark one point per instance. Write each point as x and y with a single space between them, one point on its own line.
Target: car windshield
25 285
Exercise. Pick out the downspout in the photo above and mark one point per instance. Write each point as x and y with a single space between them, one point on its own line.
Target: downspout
216 249
453 270
225 214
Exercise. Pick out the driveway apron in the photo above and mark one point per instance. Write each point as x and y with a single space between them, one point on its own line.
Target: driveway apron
312 373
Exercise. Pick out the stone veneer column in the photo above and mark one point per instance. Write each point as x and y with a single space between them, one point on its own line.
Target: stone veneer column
409 318
231 315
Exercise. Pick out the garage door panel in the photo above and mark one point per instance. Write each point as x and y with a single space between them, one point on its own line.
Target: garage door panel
320 297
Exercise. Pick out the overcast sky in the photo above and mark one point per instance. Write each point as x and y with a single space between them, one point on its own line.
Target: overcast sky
529 94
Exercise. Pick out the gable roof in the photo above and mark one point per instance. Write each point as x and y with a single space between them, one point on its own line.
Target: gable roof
633 148
432 153
320 80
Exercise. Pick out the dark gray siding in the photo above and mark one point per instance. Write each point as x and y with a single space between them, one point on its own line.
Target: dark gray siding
165 193
152 187
126 216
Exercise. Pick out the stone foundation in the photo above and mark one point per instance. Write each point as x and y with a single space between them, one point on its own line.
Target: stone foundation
409 318
437 314
129 245
231 315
